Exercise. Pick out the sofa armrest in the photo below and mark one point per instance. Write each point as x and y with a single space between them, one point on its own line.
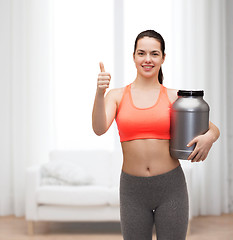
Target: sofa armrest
33 177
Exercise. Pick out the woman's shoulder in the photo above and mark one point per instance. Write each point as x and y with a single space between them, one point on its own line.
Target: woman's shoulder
116 93
172 94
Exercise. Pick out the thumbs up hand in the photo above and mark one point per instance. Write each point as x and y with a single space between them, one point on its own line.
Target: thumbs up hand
103 79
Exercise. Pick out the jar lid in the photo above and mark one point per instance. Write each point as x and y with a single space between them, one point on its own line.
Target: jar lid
197 93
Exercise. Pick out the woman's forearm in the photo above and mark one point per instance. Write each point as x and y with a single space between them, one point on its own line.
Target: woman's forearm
99 122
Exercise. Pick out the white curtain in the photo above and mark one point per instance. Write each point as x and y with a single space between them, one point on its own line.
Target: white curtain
229 53
25 90
199 57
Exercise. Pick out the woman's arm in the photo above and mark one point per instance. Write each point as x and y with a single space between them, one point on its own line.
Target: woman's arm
204 143
104 108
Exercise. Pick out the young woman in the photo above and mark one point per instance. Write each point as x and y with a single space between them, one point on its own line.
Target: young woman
152 185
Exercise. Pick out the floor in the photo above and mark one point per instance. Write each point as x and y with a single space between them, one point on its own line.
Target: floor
202 228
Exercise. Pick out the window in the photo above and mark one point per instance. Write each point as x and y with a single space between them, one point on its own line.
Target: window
84 34
144 15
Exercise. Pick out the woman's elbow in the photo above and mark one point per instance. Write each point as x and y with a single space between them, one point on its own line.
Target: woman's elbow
215 130
98 132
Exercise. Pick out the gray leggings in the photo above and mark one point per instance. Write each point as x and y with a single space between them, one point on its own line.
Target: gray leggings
161 200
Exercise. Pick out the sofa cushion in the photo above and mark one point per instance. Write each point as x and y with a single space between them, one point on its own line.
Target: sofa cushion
97 164
77 195
64 173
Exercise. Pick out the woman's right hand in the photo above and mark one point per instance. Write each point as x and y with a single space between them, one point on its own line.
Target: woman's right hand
103 79
104 109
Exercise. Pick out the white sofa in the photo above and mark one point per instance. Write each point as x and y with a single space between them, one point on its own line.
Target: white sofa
94 202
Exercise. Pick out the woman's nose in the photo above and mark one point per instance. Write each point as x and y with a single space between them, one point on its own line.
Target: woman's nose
148 58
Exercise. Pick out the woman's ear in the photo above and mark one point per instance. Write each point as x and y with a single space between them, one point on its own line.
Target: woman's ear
134 57
164 56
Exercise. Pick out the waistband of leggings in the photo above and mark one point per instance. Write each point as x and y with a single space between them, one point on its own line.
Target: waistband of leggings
163 175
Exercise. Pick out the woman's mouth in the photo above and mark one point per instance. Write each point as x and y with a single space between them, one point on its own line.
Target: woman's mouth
147 67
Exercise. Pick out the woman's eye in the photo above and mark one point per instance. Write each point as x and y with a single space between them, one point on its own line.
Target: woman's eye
140 53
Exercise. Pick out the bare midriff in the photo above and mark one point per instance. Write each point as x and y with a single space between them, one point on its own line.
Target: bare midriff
147 157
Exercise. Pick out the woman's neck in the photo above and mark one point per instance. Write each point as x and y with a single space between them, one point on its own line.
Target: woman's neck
146 83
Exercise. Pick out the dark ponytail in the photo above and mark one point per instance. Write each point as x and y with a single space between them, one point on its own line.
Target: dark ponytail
160 76
158 37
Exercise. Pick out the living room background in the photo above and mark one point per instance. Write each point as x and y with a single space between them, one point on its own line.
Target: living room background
199 46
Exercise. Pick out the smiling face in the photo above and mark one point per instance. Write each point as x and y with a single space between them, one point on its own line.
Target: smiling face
148 57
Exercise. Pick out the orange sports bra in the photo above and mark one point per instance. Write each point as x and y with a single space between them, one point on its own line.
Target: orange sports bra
143 123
